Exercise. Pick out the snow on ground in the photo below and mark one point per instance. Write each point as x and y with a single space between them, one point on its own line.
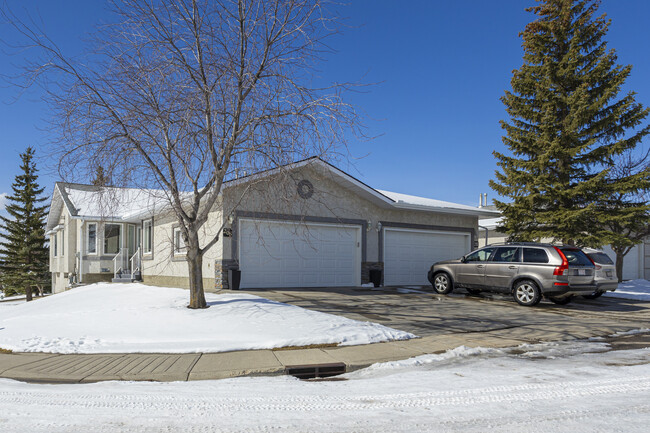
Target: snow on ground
115 318
561 387
632 289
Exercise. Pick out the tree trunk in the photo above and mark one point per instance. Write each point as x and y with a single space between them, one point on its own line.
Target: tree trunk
28 294
619 266
195 267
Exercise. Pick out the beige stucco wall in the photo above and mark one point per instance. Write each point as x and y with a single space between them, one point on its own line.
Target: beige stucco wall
64 261
162 267
330 199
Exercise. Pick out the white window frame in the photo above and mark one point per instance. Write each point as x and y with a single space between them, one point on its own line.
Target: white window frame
177 238
147 235
62 242
94 253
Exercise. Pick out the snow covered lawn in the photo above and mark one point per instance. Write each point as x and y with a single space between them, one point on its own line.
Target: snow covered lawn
559 387
116 318
633 289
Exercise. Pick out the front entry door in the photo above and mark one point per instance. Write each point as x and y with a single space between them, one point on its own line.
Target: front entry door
131 240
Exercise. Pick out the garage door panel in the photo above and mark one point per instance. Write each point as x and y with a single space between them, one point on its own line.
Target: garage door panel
632 266
408 254
320 255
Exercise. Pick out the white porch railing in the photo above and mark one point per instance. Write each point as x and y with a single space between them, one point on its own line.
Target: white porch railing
121 262
136 263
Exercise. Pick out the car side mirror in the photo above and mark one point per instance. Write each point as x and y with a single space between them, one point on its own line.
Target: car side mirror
463 259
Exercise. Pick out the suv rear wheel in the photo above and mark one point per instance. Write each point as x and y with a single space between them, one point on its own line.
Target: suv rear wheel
527 293
442 283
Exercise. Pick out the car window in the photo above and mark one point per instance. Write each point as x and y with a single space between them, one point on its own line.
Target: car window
535 255
576 257
506 254
480 255
601 258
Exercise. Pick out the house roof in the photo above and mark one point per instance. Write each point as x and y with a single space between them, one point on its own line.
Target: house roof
406 201
133 204
104 203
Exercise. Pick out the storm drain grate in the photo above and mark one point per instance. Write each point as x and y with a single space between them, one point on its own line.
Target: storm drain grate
313 371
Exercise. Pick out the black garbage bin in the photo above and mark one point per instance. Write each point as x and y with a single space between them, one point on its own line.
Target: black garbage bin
235 279
375 277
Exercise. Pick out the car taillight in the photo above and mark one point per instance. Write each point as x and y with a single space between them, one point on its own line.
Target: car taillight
564 267
598 267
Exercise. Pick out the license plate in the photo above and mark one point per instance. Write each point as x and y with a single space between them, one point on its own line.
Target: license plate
582 272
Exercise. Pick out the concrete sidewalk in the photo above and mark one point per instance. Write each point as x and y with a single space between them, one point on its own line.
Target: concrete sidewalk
80 368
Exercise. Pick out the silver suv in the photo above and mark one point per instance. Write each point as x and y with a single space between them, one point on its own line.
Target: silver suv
526 270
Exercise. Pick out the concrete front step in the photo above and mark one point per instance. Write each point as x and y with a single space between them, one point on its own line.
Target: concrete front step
125 278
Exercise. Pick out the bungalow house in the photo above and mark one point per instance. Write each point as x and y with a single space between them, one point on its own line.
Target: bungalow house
308 224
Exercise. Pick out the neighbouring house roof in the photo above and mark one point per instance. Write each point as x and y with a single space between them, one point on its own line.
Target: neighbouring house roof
133 204
490 223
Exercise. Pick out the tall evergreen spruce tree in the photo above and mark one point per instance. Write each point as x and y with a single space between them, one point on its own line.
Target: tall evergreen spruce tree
566 128
23 252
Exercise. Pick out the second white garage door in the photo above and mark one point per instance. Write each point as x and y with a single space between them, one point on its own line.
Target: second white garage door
632 263
408 254
276 254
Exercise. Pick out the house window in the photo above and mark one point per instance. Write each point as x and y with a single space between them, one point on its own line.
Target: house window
92 238
147 236
179 243
63 242
112 238
56 243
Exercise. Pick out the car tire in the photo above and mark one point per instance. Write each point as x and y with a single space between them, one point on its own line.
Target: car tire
560 301
595 295
442 283
474 291
527 293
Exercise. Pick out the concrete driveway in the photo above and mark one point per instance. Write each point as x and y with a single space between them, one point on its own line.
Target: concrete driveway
421 312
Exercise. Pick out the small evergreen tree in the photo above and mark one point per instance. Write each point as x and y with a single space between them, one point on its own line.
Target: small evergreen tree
24 255
101 179
566 129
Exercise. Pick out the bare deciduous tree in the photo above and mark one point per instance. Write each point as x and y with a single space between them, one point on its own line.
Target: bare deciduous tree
174 94
632 209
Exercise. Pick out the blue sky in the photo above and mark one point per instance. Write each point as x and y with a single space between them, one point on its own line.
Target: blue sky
440 69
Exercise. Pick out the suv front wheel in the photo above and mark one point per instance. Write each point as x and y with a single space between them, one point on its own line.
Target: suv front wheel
442 283
527 293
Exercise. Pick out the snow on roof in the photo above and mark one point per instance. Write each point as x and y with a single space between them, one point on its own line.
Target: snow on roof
114 203
405 200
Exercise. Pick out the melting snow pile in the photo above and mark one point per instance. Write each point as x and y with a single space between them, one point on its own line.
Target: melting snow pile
116 318
633 289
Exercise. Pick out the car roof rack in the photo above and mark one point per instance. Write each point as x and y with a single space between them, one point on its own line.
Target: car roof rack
535 244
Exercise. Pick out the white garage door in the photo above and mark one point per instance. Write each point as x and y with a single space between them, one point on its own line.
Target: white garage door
285 254
408 254
631 263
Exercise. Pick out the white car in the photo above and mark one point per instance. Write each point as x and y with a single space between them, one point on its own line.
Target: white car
605 278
